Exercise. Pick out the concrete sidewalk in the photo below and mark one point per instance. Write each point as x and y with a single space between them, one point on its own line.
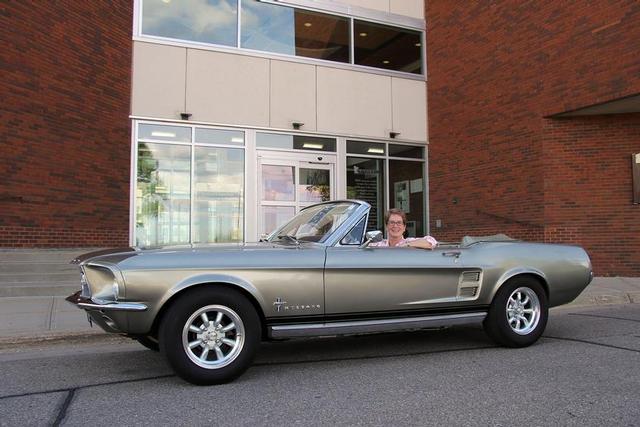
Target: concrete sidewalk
38 317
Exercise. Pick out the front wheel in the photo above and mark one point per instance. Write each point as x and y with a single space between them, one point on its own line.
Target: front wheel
210 335
518 314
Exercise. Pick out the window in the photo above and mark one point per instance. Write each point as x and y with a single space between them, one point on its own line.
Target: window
280 29
378 170
205 21
295 142
387 47
285 30
188 191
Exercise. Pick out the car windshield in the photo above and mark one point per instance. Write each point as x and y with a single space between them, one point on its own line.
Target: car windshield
315 223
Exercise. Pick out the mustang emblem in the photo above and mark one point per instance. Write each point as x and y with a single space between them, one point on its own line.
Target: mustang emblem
278 304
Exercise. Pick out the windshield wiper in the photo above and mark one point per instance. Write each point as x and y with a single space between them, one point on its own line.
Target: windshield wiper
289 238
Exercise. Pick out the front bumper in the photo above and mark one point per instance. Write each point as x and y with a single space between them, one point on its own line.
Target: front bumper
87 304
112 316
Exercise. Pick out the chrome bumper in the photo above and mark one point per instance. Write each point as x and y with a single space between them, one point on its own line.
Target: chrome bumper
87 304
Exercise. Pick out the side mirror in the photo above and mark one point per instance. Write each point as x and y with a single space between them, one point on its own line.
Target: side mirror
372 237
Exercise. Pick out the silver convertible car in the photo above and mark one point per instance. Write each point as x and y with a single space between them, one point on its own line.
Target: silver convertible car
208 308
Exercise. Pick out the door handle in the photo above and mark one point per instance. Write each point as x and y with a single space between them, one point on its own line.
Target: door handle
452 253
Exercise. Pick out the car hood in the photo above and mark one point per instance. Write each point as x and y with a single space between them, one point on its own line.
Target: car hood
125 255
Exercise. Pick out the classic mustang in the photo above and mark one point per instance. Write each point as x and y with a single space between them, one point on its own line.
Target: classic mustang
207 308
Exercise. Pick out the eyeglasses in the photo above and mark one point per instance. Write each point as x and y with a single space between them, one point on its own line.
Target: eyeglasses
395 223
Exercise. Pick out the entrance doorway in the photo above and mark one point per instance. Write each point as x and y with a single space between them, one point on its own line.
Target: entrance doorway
289 182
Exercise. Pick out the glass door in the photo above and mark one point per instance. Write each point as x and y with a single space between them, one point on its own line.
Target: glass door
286 185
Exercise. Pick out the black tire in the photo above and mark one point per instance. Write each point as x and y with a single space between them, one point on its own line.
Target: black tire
213 361
518 313
148 341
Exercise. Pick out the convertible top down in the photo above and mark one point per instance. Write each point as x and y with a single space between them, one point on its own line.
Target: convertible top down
207 308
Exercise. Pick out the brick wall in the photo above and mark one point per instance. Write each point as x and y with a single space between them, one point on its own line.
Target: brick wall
64 127
496 164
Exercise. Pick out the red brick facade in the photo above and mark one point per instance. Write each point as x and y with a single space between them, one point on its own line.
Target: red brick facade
64 127
496 72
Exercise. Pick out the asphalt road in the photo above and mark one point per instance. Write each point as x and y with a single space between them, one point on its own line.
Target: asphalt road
584 371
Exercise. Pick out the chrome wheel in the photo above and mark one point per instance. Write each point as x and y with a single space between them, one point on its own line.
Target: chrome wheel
213 336
523 310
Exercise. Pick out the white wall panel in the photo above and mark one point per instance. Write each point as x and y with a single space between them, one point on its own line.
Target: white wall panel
158 80
353 103
410 109
412 8
382 5
293 95
226 88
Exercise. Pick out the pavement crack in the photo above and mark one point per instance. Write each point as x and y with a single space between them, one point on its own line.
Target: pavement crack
604 317
135 380
65 405
592 343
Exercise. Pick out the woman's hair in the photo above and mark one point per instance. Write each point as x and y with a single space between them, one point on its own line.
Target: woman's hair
395 211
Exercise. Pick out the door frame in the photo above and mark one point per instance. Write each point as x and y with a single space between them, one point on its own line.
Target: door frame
324 161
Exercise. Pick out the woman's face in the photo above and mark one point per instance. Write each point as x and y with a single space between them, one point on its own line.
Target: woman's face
395 227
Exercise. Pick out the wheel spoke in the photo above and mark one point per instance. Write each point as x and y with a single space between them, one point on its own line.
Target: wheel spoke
218 318
195 329
194 344
219 353
204 354
517 323
229 327
526 300
205 319
528 310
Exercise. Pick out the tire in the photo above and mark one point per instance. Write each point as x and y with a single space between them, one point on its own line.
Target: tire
210 335
518 313
148 341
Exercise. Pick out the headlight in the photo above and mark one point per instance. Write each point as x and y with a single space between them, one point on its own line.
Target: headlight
102 283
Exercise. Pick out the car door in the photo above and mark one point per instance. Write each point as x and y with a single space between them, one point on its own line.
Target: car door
381 279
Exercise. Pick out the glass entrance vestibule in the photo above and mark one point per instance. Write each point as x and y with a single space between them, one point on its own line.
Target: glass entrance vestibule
196 184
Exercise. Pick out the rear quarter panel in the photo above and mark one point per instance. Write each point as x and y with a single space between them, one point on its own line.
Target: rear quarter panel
564 270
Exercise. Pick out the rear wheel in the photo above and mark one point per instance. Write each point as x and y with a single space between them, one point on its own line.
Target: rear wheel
210 335
518 314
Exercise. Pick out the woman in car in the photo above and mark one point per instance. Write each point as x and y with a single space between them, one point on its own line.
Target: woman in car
396 223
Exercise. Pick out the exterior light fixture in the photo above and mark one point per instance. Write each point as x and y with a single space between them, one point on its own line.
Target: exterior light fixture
375 150
386 61
297 125
393 134
418 44
237 140
313 146
185 116
363 34
307 24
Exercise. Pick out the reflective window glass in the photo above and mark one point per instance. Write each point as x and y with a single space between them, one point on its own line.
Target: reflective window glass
408 151
216 136
278 183
297 142
164 133
406 192
275 216
354 237
368 148
365 181
391 48
163 199
206 21
218 193
313 185
280 29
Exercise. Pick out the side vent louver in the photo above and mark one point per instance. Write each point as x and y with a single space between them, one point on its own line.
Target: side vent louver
469 284
470 276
